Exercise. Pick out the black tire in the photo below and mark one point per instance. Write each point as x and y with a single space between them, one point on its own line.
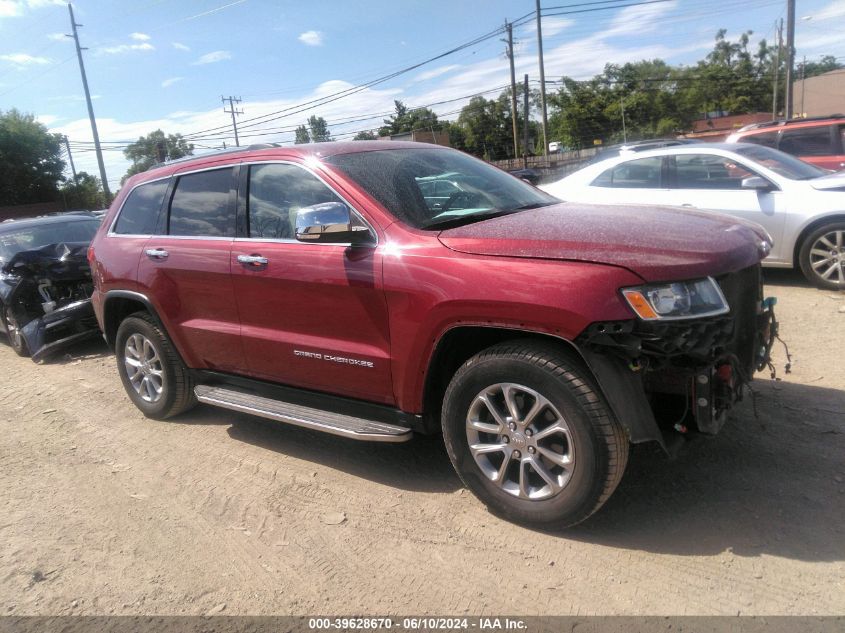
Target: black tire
16 340
176 385
599 445
807 257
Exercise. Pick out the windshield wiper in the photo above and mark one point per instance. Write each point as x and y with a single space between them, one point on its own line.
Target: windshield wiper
463 220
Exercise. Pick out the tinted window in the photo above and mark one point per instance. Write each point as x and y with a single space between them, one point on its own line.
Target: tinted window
200 205
779 162
704 171
140 211
813 141
643 173
276 193
768 139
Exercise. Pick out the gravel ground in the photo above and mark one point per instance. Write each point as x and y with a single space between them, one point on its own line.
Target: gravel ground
106 512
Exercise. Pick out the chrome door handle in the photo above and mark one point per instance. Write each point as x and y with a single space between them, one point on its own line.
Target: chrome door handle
253 260
156 253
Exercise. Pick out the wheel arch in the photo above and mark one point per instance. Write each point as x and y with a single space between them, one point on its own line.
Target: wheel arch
622 389
837 216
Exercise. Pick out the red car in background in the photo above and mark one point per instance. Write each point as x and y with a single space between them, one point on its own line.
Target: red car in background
819 140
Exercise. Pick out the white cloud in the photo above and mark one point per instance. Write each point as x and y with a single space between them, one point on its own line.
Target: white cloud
47 119
637 20
15 8
311 38
436 72
139 37
213 57
23 59
835 9
56 37
180 46
169 82
125 48
552 25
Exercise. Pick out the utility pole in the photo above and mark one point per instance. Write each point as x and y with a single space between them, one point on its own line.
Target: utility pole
790 55
70 158
777 72
509 42
232 101
624 131
525 124
96 136
542 81
803 83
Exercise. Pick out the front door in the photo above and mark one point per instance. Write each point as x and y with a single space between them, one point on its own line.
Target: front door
312 315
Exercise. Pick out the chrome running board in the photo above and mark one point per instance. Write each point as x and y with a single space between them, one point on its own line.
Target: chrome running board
316 419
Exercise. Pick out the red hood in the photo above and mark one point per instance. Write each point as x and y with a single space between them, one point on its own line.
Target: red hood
657 243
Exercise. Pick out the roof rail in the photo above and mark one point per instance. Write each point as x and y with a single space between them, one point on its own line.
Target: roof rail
228 150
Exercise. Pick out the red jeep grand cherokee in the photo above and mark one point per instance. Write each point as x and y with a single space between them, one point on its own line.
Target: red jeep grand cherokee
375 289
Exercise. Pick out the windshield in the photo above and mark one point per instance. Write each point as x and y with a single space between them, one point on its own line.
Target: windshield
436 188
35 236
781 163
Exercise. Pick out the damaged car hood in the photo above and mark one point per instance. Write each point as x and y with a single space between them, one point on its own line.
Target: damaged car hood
656 243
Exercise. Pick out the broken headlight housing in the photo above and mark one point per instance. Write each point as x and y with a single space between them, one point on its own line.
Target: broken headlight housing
677 300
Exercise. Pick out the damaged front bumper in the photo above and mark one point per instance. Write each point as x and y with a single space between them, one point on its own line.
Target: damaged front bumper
665 380
58 329
45 294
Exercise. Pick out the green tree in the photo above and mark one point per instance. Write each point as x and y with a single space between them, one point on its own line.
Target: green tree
366 135
485 128
30 160
814 69
85 193
405 120
319 129
302 135
148 150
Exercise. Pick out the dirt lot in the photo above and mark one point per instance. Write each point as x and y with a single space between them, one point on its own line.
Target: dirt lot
106 512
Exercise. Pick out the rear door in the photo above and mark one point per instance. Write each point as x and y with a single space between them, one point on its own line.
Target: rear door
817 144
636 181
312 315
185 269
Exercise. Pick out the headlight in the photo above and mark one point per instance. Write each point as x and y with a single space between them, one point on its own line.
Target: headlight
679 300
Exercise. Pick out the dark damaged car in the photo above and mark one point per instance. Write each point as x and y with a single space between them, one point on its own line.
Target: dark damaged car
45 283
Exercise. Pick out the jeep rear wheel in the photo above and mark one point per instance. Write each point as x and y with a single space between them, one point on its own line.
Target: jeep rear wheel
531 436
151 371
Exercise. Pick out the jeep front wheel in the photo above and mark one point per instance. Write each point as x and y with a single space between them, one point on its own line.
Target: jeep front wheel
151 371
531 436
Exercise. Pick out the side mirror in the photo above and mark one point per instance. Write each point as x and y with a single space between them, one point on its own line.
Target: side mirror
757 183
330 223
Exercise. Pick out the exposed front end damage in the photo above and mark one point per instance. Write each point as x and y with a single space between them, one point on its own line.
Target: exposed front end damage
46 298
673 378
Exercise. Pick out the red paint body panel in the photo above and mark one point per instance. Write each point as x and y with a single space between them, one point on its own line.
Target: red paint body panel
321 299
657 243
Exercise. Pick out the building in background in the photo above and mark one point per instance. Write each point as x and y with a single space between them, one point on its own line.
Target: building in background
822 95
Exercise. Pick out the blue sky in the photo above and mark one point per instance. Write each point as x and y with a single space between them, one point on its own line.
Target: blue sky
165 63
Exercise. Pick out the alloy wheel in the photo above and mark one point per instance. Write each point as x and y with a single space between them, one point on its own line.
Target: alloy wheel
520 441
827 257
144 367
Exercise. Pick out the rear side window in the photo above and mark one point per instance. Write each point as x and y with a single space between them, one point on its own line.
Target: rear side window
276 193
705 171
767 139
643 173
202 206
140 211
812 141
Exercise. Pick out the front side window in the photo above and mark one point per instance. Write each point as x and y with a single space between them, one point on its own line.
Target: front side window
276 193
780 163
705 171
812 141
140 211
201 205
643 173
